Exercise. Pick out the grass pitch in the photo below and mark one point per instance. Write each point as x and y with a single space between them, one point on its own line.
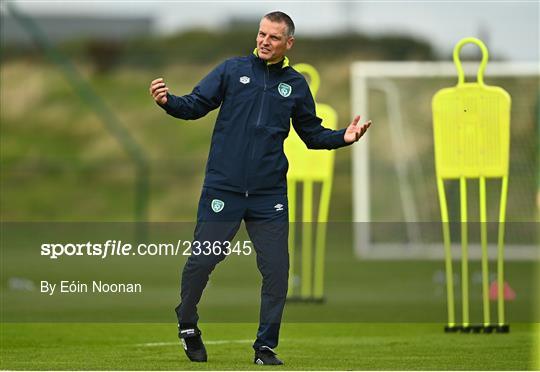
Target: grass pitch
304 346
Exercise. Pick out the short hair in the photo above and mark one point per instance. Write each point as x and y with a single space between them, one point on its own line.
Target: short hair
278 16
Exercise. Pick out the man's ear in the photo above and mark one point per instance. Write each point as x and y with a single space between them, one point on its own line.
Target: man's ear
290 42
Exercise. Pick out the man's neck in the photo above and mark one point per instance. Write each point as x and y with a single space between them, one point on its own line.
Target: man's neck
284 59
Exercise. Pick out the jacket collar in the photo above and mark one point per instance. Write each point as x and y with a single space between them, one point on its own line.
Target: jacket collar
284 62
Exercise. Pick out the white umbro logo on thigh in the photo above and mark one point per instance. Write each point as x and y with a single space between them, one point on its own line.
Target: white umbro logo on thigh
259 361
278 207
244 80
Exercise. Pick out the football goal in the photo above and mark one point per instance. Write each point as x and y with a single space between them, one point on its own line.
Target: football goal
396 208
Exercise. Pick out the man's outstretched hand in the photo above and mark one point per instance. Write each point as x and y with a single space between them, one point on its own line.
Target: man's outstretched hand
158 90
355 131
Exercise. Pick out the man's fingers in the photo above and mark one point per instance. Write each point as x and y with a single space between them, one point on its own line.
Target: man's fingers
358 131
365 126
156 86
159 91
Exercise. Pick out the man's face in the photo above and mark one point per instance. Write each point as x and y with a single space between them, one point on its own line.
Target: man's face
272 40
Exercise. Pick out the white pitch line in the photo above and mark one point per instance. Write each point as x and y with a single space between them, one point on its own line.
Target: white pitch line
211 342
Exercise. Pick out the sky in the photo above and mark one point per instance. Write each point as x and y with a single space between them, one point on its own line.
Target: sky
509 28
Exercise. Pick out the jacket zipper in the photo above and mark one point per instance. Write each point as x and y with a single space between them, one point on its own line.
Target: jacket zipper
262 98
258 120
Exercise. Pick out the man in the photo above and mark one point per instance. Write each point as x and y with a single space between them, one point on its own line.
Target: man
246 171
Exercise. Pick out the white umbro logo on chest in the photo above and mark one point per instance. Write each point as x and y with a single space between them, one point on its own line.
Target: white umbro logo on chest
278 207
245 80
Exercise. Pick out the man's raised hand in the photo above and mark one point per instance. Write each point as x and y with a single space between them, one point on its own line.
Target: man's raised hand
158 90
355 131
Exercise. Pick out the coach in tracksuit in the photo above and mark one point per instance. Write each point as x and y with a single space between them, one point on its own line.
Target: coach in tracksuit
246 170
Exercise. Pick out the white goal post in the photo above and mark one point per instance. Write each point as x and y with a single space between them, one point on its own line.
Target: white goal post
380 76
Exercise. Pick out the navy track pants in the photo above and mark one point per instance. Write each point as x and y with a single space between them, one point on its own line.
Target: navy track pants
218 219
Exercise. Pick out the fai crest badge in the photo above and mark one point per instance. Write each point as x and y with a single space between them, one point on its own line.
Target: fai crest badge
217 205
284 89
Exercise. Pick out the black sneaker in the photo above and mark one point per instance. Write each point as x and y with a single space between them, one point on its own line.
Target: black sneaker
193 344
266 356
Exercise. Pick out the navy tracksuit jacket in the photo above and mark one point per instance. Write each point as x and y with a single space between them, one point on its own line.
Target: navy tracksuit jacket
246 173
